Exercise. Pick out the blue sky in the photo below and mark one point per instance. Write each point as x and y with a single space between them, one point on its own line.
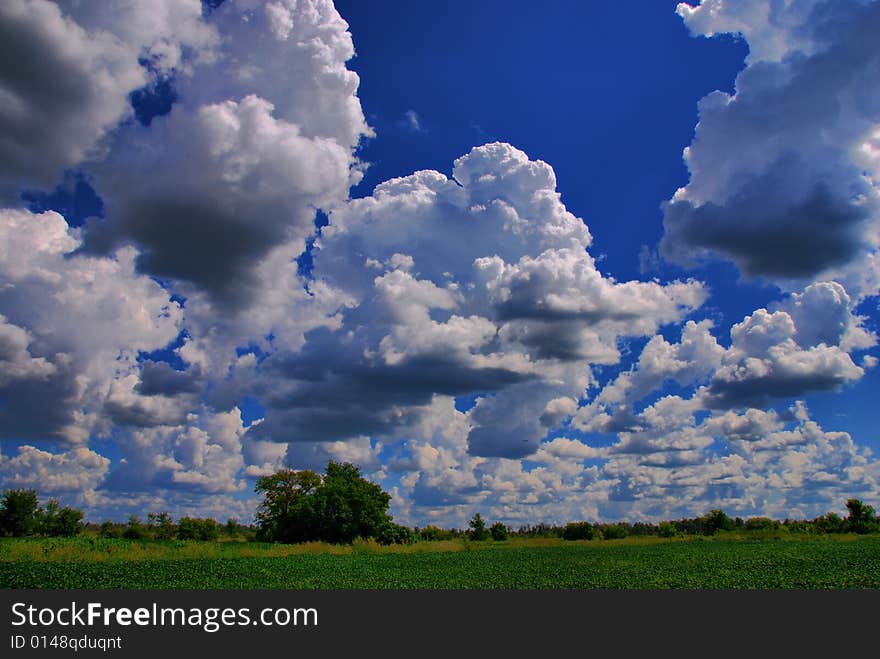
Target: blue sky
460 248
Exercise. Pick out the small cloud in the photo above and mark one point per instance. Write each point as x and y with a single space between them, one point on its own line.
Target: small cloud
413 122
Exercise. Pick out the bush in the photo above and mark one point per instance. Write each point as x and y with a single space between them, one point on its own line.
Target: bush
135 530
796 526
477 528
761 524
395 534
110 530
194 528
162 526
60 522
714 521
830 523
431 532
615 531
579 531
667 530
499 531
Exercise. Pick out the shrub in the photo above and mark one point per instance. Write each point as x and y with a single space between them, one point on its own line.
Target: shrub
135 530
667 530
615 531
431 532
579 531
714 521
761 524
161 525
796 526
60 522
194 528
830 523
110 530
395 534
499 531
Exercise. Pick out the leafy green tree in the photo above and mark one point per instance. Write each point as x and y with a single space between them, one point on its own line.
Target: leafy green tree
347 506
667 530
19 512
285 514
477 528
161 525
615 531
761 524
195 528
395 534
300 506
135 529
432 532
110 530
716 520
499 531
861 518
829 523
233 529
579 531
60 522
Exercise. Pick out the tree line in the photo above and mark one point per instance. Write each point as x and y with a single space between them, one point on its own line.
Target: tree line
340 506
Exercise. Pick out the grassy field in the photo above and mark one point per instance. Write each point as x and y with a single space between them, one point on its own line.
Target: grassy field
728 562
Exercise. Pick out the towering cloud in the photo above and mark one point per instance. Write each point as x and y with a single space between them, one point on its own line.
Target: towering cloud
263 133
72 327
479 284
67 71
783 173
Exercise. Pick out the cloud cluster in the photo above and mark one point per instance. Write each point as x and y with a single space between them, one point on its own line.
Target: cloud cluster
454 334
515 314
262 134
784 173
72 327
67 72
801 346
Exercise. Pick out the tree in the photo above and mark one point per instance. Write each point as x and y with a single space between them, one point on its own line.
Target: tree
19 512
195 528
667 530
499 531
284 515
861 517
347 506
60 522
161 525
134 530
615 531
477 528
110 530
761 524
716 520
579 531
395 534
232 528
299 506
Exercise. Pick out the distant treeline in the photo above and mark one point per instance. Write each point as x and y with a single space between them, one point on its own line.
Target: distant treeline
21 515
860 519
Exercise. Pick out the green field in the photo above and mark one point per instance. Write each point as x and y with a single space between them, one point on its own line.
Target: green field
840 562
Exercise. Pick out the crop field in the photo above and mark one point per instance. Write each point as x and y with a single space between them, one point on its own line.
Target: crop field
726 563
